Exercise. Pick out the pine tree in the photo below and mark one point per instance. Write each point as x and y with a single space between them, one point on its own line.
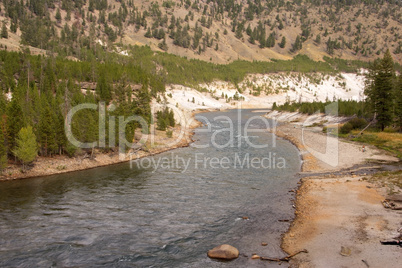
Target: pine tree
162 45
103 88
318 39
148 34
61 140
4 31
3 147
160 122
26 147
239 32
262 39
47 136
398 103
298 44
282 44
248 30
58 15
14 121
271 40
379 89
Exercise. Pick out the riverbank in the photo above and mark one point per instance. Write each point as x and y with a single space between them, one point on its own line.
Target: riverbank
157 142
339 218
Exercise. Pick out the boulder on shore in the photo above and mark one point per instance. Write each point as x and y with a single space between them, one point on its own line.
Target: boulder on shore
224 252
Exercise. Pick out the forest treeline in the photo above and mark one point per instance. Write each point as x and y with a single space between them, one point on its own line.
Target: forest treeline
39 91
343 108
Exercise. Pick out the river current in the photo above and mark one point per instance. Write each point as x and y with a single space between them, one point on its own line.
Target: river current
229 187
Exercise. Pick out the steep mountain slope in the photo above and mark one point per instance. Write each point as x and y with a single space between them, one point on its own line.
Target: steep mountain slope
213 30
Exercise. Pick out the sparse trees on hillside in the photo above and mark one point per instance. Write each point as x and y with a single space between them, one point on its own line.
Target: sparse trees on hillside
335 20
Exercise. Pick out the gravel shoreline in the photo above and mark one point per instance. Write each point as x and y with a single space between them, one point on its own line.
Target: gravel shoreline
339 219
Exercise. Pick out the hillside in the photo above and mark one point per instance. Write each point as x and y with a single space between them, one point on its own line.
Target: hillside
211 30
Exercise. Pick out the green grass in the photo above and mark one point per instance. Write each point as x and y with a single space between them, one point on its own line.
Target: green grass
391 142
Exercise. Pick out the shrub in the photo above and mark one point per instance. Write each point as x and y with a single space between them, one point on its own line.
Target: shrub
358 123
169 133
346 128
390 130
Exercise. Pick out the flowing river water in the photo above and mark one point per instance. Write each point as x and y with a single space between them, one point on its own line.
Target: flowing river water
165 211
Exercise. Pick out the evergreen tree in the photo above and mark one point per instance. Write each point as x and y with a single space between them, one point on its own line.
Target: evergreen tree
164 119
398 103
280 26
14 121
239 32
148 34
61 139
262 39
282 44
3 147
160 122
248 30
251 39
318 39
271 40
103 88
162 45
379 89
4 31
26 147
47 133
58 15
297 44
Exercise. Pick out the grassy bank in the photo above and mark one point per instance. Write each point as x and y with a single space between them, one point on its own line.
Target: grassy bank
391 142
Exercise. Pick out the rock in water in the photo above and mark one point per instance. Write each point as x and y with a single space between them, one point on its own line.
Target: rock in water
345 251
225 252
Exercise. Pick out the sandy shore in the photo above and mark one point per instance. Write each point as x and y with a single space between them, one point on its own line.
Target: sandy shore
340 219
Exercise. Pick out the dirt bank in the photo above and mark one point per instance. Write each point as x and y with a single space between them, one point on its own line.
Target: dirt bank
339 220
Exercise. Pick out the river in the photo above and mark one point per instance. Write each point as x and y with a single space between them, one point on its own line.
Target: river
165 211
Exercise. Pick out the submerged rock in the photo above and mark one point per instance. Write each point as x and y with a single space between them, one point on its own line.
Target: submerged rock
225 252
345 251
